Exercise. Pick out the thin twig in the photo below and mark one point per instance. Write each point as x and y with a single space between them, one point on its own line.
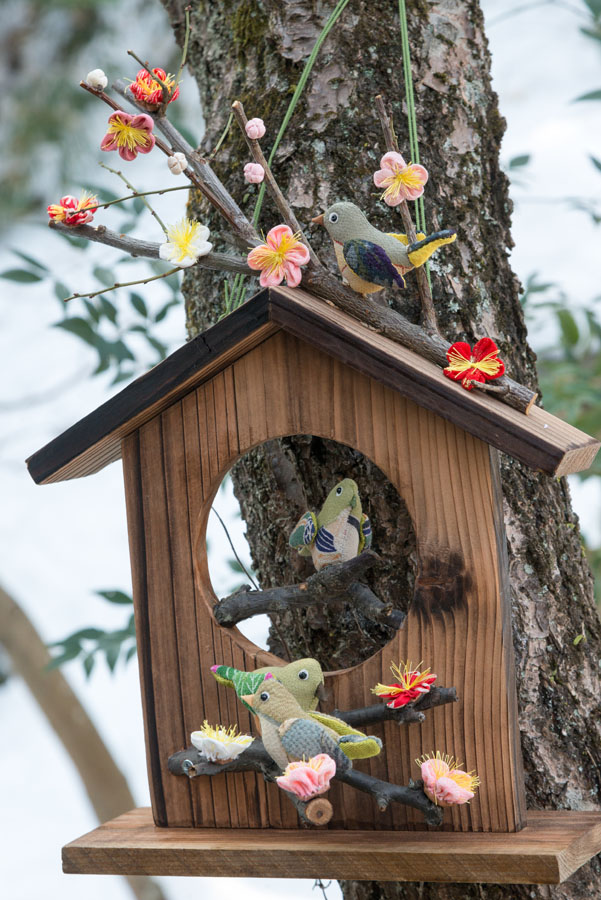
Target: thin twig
231 543
148 249
425 294
122 284
184 50
224 134
272 185
181 187
142 197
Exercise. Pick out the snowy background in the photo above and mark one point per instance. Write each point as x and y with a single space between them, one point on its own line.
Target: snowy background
61 543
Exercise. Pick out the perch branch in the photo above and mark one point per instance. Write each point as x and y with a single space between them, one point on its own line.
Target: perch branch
256 759
270 182
320 282
334 582
423 286
149 249
413 712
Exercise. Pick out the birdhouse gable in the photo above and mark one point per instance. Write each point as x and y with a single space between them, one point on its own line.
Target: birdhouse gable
537 439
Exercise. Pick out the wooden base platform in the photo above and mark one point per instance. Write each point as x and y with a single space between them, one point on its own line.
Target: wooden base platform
552 846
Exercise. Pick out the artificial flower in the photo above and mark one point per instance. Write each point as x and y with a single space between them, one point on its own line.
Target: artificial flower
255 129
220 744
254 173
308 779
72 211
146 90
444 782
480 364
129 134
401 181
177 163
187 241
97 79
279 257
410 685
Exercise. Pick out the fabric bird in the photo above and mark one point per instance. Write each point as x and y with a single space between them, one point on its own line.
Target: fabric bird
304 680
339 532
288 732
370 259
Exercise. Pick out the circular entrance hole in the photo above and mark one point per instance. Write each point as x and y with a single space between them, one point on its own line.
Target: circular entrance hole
258 505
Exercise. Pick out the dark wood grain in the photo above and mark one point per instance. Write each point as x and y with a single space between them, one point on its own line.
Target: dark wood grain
539 440
553 846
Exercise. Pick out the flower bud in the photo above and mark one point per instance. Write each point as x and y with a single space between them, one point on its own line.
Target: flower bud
255 129
254 173
177 163
97 79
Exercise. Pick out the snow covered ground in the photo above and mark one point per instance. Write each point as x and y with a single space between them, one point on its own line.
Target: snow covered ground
60 543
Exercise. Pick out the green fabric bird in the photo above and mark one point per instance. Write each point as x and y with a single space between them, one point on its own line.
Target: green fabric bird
339 532
304 680
370 259
288 732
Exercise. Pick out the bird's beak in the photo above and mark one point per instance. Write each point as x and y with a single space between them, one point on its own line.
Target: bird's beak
318 220
247 698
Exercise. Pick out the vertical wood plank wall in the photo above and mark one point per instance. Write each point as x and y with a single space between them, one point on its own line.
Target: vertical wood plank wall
458 622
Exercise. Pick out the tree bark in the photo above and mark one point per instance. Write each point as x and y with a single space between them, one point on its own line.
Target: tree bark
254 50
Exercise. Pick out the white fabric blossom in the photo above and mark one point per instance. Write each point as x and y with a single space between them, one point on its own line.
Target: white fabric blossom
177 163
97 79
187 241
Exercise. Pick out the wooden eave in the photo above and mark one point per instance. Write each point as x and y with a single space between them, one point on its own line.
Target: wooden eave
539 439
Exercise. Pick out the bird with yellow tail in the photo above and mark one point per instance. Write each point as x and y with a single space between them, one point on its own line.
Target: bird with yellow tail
369 259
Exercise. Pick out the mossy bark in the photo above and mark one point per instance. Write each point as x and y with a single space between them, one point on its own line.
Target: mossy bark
254 50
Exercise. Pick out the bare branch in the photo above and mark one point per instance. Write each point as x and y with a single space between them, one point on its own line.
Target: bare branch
149 249
423 285
412 712
385 793
333 583
142 196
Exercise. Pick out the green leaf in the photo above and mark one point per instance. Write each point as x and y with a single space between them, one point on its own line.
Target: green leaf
138 304
21 275
88 664
61 291
116 597
235 566
30 260
103 194
139 205
122 375
596 162
569 329
108 309
592 95
121 351
104 276
578 638
81 328
165 309
68 654
93 313
131 652
160 348
517 162
112 655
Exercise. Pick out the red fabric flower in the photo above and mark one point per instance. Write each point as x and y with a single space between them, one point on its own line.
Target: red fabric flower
72 211
480 364
146 90
411 684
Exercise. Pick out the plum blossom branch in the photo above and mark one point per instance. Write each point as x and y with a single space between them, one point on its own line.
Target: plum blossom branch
142 197
166 93
134 194
122 284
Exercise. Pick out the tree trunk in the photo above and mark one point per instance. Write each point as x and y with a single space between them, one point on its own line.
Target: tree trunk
254 50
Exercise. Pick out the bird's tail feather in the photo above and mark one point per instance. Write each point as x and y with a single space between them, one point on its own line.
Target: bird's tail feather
420 251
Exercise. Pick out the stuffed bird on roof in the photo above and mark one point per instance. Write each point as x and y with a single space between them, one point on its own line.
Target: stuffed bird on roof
304 680
370 259
339 532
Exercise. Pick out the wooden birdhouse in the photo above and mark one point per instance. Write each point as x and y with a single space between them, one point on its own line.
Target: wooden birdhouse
178 430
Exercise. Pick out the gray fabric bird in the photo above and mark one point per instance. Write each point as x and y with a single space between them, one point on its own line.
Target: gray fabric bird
288 732
370 259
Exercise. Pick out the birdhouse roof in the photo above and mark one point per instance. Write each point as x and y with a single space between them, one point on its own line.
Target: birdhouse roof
538 439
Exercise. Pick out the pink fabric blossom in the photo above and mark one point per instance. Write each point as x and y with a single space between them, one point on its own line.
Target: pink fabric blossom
308 779
281 256
400 181
73 211
255 129
444 785
129 134
254 173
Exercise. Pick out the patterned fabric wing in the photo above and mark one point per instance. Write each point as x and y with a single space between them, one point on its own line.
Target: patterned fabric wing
304 531
364 745
325 541
371 262
304 738
366 534
224 675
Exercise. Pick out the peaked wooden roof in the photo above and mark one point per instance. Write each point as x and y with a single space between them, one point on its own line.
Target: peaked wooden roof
539 439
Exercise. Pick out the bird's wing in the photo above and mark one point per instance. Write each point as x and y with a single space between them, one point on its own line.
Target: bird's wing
371 262
305 738
365 542
304 531
324 541
353 743
403 237
420 251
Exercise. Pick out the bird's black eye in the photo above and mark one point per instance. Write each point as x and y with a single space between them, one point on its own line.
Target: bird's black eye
303 674
333 217
339 490
264 696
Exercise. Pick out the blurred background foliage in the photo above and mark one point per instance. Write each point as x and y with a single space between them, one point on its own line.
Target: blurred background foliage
50 129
